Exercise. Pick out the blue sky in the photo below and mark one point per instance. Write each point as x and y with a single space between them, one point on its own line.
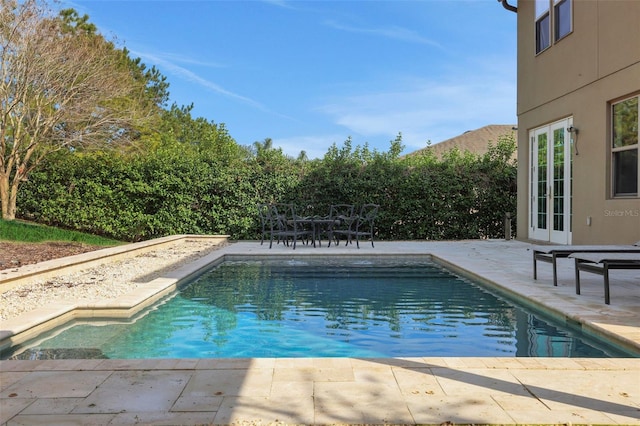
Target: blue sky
308 74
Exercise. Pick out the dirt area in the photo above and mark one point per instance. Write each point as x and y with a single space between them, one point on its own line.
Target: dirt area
13 254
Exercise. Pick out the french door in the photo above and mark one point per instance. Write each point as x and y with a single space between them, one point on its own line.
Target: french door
550 182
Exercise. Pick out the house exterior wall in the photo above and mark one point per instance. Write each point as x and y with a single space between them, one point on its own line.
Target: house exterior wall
579 76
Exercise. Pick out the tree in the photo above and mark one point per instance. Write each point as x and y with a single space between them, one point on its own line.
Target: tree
62 87
261 148
178 129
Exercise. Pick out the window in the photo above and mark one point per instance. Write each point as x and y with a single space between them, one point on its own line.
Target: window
543 20
624 147
559 18
562 12
542 33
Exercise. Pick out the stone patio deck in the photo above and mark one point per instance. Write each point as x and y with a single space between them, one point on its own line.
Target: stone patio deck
460 390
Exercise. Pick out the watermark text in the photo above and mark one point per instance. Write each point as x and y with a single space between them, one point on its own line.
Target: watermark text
622 213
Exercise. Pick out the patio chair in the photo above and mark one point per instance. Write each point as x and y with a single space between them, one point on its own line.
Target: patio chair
361 225
551 254
270 227
340 219
305 221
286 225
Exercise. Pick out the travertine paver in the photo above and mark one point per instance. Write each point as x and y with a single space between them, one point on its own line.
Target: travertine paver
520 403
313 374
45 406
598 390
136 390
417 381
264 410
287 389
161 418
564 417
10 407
355 402
491 382
458 390
49 384
62 419
255 382
197 404
466 408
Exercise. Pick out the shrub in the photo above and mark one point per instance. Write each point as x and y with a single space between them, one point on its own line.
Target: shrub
138 197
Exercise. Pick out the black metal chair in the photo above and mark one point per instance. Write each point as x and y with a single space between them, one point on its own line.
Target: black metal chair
361 225
305 217
365 223
286 225
341 217
265 221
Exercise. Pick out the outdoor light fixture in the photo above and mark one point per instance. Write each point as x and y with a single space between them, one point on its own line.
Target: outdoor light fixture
573 131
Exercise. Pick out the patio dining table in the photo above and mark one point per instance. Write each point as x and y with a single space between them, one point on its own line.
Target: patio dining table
318 225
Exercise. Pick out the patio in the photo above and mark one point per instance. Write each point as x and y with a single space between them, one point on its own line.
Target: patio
345 390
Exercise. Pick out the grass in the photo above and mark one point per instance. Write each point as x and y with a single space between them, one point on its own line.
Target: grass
34 233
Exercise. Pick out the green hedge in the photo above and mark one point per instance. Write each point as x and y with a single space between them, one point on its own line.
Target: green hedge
134 198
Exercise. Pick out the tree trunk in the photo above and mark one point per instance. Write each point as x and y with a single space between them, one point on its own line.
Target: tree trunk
8 199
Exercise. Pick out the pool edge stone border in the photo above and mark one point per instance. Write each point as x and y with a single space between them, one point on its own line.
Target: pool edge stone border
28 326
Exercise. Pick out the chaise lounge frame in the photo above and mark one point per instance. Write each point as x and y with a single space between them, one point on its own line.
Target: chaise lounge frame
601 263
552 253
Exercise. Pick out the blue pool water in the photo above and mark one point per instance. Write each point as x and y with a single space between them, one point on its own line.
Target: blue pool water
325 307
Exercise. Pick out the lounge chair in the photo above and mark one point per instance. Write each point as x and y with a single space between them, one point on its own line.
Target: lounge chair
550 254
601 263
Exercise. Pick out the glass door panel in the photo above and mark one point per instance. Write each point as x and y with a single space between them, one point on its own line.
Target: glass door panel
561 188
542 181
539 221
558 179
550 209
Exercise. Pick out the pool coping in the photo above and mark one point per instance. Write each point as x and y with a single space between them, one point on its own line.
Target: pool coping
28 326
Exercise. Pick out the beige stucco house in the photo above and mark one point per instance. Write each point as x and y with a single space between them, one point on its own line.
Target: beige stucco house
578 96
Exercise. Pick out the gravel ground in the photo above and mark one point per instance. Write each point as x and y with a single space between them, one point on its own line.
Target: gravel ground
103 282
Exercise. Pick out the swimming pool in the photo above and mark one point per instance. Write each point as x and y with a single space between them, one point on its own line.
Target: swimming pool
323 307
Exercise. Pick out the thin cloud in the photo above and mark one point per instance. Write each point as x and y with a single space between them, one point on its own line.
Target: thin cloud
280 3
191 61
188 75
393 32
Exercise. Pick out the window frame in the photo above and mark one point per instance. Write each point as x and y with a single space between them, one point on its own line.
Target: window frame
557 21
539 36
617 149
547 30
541 14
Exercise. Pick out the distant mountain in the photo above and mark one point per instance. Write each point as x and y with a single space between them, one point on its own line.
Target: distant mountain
475 141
